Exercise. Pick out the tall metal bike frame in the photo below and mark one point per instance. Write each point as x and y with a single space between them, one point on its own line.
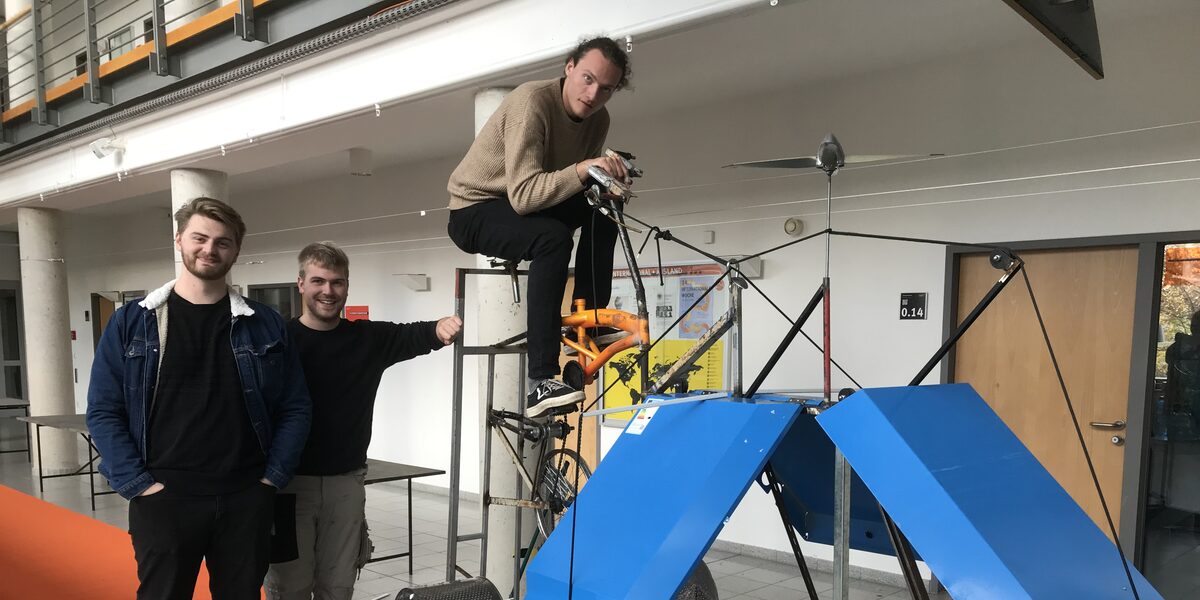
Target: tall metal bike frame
461 352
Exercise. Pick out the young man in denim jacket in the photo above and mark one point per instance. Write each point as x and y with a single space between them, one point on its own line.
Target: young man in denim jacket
199 433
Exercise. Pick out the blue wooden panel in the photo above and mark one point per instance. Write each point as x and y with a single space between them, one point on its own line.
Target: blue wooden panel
803 463
986 516
657 501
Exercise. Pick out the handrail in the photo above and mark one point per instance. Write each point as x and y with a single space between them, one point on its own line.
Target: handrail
17 18
203 23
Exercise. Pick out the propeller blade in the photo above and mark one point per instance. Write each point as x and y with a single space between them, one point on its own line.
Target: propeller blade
859 159
799 162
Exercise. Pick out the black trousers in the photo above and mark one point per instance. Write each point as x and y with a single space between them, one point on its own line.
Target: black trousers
230 532
544 238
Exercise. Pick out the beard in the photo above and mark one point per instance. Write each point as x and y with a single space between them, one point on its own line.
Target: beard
206 272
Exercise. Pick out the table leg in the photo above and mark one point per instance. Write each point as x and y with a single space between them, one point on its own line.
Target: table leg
91 472
410 535
28 440
41 478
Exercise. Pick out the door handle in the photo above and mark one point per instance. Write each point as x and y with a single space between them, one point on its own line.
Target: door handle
1106 425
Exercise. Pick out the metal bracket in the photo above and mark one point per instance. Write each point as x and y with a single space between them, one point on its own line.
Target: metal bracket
40 114
98 95
246 26
45 117
92 90
169 67
159 66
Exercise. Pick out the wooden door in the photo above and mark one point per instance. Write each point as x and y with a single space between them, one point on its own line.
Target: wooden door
103 308
1086 297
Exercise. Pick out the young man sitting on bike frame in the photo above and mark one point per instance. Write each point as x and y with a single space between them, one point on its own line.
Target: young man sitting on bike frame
518 195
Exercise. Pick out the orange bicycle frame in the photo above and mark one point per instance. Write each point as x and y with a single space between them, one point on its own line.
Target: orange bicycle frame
590 357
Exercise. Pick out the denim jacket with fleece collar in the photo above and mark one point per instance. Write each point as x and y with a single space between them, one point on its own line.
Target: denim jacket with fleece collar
125 375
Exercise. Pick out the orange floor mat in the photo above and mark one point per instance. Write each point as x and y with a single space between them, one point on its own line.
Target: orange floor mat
47 551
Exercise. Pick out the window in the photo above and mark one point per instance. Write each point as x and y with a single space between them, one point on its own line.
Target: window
11 360
283 297
130 296
1173 490
119 43
81 63
148 30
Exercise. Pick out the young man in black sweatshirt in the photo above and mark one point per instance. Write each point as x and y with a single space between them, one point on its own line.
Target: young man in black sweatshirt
343 364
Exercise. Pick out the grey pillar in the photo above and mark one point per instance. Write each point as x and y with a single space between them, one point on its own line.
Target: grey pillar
47 333
189 184
498 318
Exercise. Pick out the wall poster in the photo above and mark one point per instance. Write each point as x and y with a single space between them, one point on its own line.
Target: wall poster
682 286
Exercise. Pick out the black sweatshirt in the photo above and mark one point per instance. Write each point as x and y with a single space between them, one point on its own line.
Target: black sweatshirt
200 437
343 367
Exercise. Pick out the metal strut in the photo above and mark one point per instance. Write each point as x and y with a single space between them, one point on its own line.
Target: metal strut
776 488
461 352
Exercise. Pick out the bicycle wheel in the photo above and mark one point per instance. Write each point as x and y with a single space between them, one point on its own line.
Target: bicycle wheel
563 473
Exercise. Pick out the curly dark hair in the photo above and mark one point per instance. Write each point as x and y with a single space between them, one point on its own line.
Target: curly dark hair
611 50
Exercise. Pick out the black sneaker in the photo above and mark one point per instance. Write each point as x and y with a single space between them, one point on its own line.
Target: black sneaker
550 394
603 336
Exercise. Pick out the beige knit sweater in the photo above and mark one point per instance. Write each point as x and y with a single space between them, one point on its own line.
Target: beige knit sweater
527 151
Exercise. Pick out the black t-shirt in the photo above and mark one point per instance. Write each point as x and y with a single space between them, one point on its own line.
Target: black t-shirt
343 367
200 437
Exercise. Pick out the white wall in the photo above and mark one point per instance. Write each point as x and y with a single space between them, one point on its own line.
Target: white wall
962 104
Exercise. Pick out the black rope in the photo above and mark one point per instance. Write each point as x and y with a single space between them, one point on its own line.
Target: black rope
896 238
1079 434
579 422
666 234
784 245
653 233
806 336
657 233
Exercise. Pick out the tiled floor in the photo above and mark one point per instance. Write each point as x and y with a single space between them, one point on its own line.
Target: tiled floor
737 577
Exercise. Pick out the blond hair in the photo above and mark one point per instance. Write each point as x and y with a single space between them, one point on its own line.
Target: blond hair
324 254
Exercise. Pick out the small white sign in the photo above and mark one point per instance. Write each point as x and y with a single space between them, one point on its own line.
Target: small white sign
641 420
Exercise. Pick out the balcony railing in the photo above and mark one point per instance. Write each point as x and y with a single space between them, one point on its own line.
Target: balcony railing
68 67
59 47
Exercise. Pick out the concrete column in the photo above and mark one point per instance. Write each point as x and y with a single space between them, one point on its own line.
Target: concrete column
189 184
498 318
47 333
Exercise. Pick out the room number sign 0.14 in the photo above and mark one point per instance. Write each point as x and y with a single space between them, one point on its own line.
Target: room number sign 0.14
912 305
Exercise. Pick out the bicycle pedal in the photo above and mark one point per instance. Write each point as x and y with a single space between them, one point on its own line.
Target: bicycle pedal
561 410
573 375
